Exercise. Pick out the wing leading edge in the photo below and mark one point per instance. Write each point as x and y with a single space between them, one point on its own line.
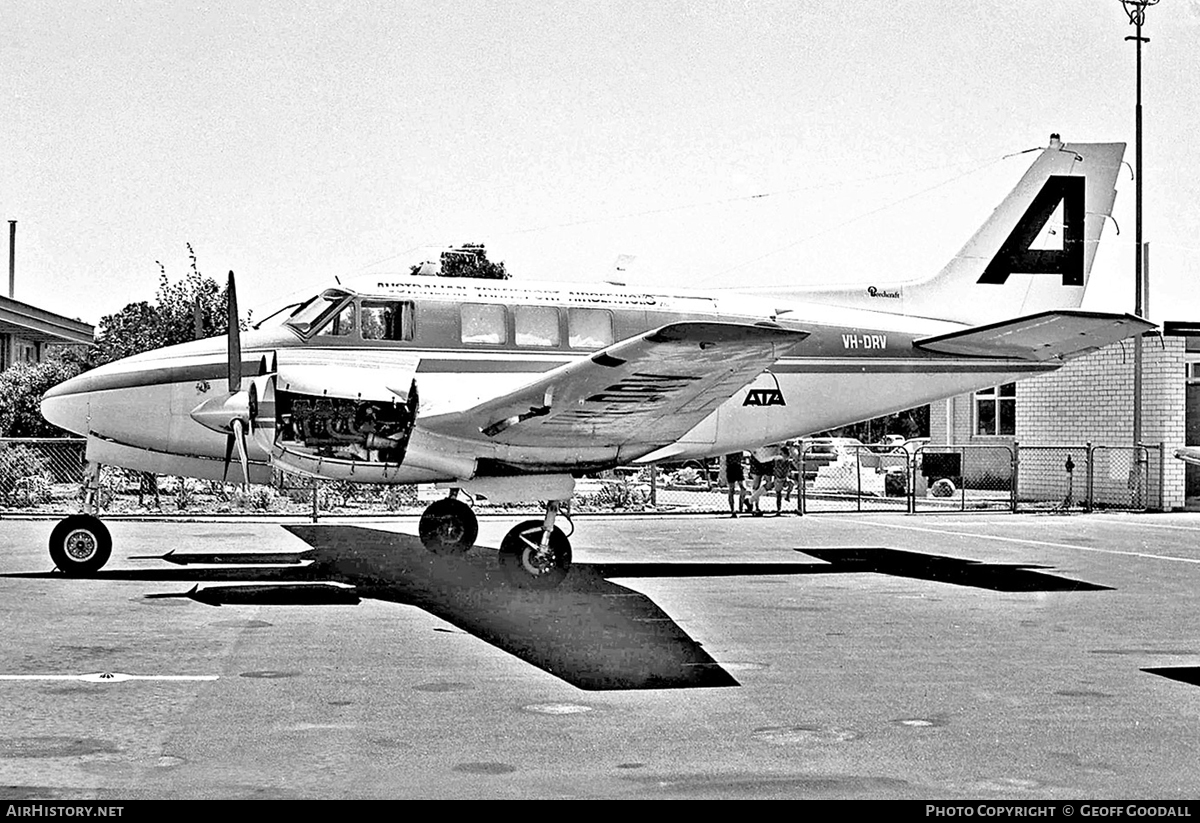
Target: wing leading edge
652 388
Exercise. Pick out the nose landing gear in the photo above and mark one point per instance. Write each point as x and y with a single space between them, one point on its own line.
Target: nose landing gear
80 544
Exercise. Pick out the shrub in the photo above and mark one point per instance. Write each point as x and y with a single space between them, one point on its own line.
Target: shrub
399 497
32 490
942 488
617 496
257 498
18 464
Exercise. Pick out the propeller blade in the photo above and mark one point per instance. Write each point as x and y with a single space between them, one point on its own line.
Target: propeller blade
239 434
235 340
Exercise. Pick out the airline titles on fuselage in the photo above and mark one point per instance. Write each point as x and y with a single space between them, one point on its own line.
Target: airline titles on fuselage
578 297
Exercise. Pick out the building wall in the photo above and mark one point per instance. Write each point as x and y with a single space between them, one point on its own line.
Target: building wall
1090 400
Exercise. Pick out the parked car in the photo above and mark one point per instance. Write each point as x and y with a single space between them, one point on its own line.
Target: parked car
911 445
821 451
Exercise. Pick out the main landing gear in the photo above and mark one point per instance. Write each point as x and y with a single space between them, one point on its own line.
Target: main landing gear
80 544
448 526
534 554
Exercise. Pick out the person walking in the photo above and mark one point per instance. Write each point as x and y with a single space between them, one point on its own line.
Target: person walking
735 478
782 476
762 474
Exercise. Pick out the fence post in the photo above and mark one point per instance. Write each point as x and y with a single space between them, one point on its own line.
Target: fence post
802 488
1091 475
858 477
1162 475
314 500
910 480
1016 473
962 480
654 485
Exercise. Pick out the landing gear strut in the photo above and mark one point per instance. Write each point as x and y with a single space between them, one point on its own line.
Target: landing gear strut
80 544
448 526
536 554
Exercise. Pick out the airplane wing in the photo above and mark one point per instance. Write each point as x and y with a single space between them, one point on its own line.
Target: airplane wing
652 388
1045 336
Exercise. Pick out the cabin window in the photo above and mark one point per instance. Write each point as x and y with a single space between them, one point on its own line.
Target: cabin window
590 328
996 410
484 323
343 322
536 326
387 320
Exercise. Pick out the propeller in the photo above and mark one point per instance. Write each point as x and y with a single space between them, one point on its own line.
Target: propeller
230 414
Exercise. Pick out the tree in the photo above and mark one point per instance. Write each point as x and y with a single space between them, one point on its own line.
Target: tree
468 260
187 310
21 387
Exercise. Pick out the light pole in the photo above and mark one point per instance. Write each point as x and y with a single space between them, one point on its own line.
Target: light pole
1136 9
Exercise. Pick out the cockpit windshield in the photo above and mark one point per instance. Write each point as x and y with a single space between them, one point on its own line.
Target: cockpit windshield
314 314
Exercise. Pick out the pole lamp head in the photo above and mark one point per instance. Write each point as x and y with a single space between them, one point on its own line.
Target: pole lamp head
1136 9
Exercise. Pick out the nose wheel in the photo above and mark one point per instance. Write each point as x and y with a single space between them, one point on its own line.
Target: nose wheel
448 526
536 554
80 545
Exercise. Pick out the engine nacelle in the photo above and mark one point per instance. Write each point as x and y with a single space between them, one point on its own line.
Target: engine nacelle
349 417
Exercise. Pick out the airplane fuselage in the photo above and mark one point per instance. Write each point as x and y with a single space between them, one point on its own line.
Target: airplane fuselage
474 339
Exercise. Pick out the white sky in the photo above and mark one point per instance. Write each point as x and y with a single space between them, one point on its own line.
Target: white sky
295 141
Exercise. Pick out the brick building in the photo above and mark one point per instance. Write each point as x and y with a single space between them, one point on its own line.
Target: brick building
1090 400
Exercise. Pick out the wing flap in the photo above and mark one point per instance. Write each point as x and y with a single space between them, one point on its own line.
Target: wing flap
1039 337
651 388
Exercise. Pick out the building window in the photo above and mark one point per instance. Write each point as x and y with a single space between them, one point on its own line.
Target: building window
484 323
536 325
590 328
387 320
996 410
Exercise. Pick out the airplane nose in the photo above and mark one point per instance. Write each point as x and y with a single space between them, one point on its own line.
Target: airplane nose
66 406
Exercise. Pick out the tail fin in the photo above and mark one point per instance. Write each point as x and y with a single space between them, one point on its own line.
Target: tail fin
1033 254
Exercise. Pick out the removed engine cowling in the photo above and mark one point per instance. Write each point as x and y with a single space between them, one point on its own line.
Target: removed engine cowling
322 415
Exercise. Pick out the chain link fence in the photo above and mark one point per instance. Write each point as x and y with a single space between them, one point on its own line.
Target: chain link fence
44 476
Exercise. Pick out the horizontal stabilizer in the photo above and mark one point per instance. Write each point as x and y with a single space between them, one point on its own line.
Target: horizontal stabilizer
1189 454
1039 337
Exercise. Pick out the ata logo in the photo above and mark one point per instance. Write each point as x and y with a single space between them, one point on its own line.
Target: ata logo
202 387
764 397
1016 255
874 292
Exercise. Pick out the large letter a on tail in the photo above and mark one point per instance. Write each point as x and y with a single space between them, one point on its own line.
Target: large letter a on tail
1016 256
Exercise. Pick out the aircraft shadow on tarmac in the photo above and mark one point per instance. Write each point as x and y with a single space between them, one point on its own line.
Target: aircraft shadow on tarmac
590 632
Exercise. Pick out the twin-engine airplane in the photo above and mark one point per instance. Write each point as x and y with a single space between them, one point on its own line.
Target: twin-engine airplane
512 390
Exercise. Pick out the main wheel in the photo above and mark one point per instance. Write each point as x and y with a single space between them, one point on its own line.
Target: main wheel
80 545
448 526
520 561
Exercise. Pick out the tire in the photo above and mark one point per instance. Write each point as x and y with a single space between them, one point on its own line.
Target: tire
80 545
517 556
448 526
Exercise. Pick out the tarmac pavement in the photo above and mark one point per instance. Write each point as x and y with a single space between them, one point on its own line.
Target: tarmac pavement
827 656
